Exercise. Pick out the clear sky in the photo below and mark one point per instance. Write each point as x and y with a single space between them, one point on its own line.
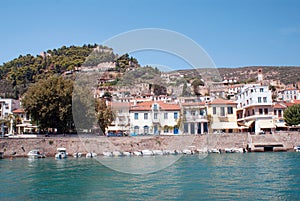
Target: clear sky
233 32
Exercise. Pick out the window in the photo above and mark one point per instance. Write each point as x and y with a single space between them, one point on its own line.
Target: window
155 107
186 127
214 110
260 111
166 129
266 111
165 115
230 110
146 129
136 115
259 99
175 115
261 90
279 113
253 112
275 112
222 111
193 113
192 128
136 130
155 115
145 115
265 99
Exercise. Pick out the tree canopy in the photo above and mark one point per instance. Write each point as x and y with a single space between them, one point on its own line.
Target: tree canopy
49 102
292 115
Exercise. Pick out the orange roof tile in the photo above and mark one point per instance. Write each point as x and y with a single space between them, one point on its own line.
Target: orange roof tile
279 106
147 106
19 110
220 101
193 104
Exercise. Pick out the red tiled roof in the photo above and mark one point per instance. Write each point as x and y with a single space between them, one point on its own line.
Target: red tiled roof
147 105
279 106
19 110
220 101
296 101
193 104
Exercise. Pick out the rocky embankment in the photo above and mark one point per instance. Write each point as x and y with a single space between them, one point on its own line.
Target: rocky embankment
19 147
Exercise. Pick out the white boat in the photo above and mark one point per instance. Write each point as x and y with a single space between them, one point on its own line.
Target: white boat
126 153
187 151
147 152
116 153
137 153
35 153
90 155
217 151
158 152
77 155
107 153
61 153
297 149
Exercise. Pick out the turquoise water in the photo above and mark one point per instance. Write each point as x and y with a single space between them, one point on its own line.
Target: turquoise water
251 176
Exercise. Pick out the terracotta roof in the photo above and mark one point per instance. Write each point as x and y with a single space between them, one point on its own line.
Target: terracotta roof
19 110
279 105
220 101
193 104
147 106
289 104
296 101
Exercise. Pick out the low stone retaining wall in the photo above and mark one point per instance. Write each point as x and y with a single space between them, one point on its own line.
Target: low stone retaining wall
19 147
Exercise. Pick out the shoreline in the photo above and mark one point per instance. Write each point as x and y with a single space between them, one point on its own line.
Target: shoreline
19 147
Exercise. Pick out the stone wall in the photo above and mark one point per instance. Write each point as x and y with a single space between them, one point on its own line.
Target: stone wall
20 147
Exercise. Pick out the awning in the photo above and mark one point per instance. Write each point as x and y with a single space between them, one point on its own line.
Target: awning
225 125
266 124
249 123
280 125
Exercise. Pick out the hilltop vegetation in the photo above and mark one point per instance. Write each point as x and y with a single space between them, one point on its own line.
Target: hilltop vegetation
17 74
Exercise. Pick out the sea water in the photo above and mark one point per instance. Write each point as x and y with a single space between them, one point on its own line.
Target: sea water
250 176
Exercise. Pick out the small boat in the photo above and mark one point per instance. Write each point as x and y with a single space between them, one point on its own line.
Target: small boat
116 153
297 149
77 155
187 152
107 153
147 153
90 155
1 155
35 153
137 153
217 151
126 153
158 152
61 153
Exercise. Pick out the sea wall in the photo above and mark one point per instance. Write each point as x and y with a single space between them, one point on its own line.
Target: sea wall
19 147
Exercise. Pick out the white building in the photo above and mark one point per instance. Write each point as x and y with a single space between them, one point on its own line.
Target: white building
290 94
254 108
154 117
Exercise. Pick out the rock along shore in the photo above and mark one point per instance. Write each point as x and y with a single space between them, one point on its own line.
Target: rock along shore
19 147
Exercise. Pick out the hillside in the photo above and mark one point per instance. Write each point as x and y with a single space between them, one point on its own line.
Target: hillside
286 74
17 74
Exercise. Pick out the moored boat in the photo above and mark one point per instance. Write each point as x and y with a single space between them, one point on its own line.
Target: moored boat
147 152
61 153
297 149
77 155
35 154
90 155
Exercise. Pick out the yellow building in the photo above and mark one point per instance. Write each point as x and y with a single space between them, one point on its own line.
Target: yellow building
222 116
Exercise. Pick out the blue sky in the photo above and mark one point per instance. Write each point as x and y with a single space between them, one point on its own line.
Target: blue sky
233 32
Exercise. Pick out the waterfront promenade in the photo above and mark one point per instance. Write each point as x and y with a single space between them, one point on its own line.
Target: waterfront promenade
19 147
